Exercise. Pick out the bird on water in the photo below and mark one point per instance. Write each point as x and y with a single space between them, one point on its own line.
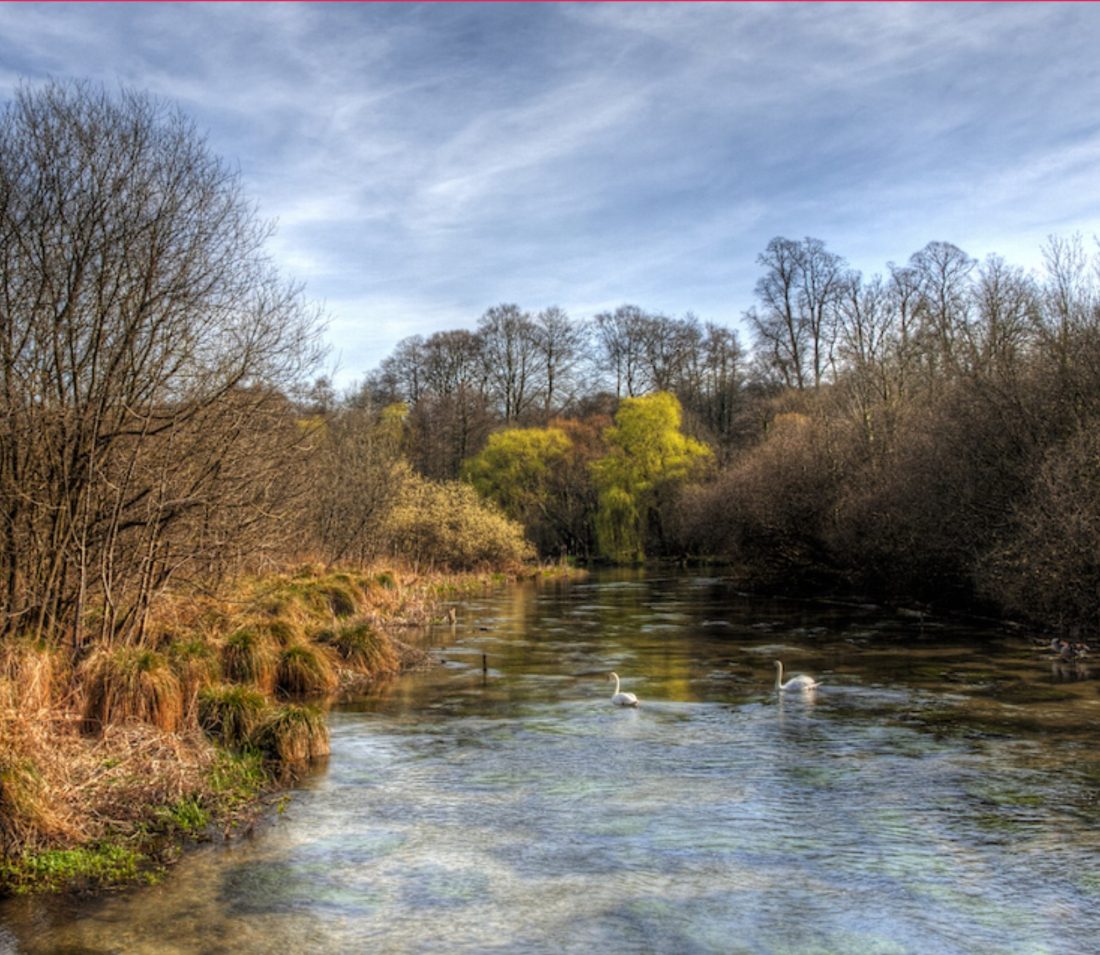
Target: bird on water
620 698
800 682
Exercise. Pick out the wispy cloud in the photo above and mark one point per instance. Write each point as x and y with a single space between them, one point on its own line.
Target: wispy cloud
426 162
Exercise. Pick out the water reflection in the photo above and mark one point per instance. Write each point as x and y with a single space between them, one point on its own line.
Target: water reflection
935 795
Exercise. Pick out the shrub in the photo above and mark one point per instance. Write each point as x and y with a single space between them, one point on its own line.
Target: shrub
446 525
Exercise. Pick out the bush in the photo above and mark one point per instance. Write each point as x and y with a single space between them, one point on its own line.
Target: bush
446 525
1047 564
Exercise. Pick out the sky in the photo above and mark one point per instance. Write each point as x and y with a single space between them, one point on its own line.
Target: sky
425 162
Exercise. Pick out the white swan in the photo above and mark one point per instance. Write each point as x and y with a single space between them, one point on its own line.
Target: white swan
800 682
619 698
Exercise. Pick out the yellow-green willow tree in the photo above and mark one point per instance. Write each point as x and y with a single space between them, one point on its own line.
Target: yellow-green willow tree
647 453
518 470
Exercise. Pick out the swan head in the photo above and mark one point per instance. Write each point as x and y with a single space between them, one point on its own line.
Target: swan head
612 676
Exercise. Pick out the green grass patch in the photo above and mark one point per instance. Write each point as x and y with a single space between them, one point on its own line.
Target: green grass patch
92 867
188 817
236 780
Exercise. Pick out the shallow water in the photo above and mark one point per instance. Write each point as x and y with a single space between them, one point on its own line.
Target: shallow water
938 794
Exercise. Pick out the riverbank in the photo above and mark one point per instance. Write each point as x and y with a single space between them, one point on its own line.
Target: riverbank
112 762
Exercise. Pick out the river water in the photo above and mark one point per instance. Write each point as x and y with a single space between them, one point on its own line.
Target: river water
937 794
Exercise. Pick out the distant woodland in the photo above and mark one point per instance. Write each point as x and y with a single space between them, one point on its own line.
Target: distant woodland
926 433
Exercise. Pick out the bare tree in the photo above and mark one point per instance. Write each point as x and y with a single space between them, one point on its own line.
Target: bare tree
138 305
620 338
795 324
510 352
559 343
943 274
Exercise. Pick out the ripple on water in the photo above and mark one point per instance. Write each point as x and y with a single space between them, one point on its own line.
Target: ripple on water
900 809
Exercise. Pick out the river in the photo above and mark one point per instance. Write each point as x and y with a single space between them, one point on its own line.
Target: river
937 794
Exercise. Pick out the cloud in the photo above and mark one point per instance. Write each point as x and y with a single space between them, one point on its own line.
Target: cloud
426 162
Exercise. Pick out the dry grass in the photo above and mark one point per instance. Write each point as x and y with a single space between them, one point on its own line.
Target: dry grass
30 674
60 788
130 684
293 733
154 710
305 670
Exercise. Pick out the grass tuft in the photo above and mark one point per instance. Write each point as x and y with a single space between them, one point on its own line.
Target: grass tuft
230 714
293 733
249 657
30 673
128 684
305 670
363 649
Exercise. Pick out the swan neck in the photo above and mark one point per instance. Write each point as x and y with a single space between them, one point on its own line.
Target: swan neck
778 675
615 676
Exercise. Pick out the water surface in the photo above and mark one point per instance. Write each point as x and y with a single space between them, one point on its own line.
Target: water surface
936 795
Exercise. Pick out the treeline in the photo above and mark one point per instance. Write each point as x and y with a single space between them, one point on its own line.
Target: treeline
926 433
